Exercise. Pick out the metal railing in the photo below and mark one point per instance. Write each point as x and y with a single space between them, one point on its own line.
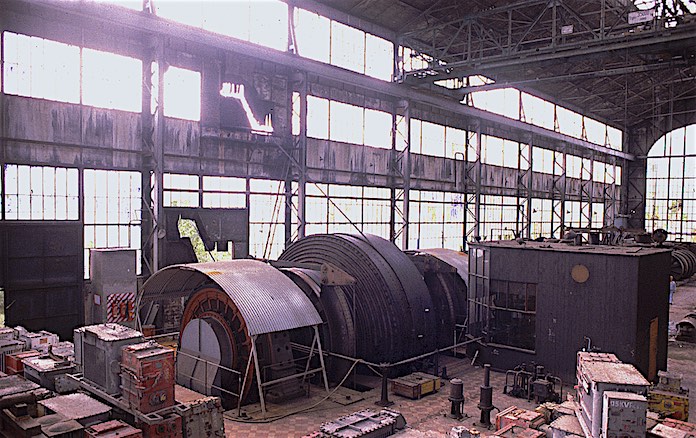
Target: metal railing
208 384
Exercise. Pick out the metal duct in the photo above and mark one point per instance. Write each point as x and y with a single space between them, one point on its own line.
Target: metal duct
394 313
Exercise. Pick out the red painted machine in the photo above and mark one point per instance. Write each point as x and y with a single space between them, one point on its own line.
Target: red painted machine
147 376
14 364
168 426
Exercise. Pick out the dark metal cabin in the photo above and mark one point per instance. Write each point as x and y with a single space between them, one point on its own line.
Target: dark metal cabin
542 302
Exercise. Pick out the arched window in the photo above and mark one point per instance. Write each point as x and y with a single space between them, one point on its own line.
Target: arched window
670 200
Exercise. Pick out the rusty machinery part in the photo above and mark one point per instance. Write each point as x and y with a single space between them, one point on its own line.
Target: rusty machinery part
531 381
229 304
213 327
683 264
486 397
686 328
338 331
394 314
659 235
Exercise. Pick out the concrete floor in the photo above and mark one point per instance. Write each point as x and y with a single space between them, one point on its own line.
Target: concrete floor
428 417
428 414
681 356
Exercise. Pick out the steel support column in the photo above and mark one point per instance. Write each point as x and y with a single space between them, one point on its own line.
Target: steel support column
524 189
558 193
402 166
153 156
300 148
473 185
586 192
611 195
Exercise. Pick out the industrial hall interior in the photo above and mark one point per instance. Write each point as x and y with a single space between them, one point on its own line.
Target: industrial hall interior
347 218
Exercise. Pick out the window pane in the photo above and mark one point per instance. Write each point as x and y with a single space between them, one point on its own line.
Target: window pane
111 81
317 117
182 94
379 57
378 129
347 47
313 35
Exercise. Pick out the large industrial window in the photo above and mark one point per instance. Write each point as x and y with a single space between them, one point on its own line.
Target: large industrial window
499 152
182 94
337 121
537 111
266 218
113 211
479 260
573 166
542 215
180 190
329 41
263 23
501 312
345 122
542 160
670 201
437 140
436 220
512 103
569 122
512 313
40 193
224 192
347 47
367 208
503 101
313 35
266 207
111 81
45 69
572 218
498 217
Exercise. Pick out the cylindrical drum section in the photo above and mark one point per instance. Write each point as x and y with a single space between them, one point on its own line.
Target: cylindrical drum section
683 264
446 273
456 390
394 315
686 328
332 303
232 306
212 329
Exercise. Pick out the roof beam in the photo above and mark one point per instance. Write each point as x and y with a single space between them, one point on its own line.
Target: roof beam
575 76
480 14
683 34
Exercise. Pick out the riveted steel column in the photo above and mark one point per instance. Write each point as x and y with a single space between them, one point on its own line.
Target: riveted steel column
558 193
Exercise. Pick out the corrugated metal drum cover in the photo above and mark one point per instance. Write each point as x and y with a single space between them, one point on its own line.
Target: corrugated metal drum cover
580 273
267 299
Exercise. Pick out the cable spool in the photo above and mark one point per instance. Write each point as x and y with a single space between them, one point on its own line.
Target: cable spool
394 317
